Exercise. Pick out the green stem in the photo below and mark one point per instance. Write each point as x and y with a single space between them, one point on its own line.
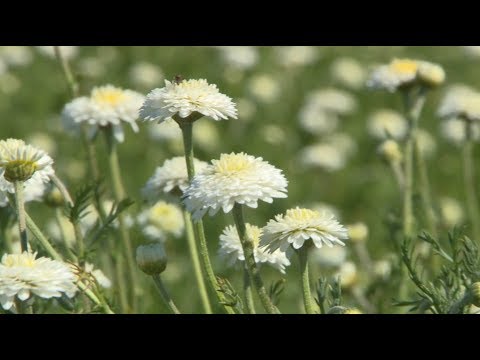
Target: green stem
469 179
58 218
196 262
164 293
398 173
20 206
413 107
250 264
247 288
72 83
120 282
425 190
307 295
119 194
186 128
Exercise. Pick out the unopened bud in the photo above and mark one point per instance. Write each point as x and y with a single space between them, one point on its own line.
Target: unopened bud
151 258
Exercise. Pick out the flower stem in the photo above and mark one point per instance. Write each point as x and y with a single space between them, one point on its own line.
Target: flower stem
186 128
413 108
398 173
58 218
251 266
20 206
164 293
307 294
196 262
247 288
119 194
469 179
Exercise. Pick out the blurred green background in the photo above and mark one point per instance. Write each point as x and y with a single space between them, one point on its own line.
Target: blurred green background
271 85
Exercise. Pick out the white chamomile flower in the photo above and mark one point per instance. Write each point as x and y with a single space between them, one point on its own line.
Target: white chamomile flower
106 106
299 225
473 51
333 100
462 102
22 275
185 98
231 248
348 72
34 190
273 134
455 130
146 75
451 211
90 271
264 88
241 57
172 176
323 155
292 56
330 257
385 123
426 143
348 275
161 221
316 120
15 55
234 178
68 52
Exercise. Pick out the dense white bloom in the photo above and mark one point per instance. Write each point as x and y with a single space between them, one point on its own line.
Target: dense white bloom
264 88
299 225
234 178
385 123
333 100
241 57
160 221
323 155
106 106
22 275
187 97
451 211
171 176
316 120
329 256
455 130
231 248
460 101
68 52
291 56
348 72
145 74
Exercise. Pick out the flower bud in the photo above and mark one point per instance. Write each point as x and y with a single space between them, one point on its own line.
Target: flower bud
54 197
431 75
390 151
357 232
151 258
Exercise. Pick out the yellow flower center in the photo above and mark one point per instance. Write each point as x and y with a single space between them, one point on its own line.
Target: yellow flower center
108 96
404 66
163 216
232 163
299 214
254 233
19 170
19 260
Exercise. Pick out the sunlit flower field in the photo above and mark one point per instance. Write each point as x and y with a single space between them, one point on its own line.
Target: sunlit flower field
239 180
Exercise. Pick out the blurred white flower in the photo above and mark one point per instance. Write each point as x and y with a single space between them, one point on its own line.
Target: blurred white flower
460 101
348 275
333 100
68 52
170 177
426 143
323 155
61 231
145 75
22 275
455 130
451 211
106 106
273 134
330 257
231 248
166 130
316 120
234 178
349 73
206 135
246 109
321 206
264 88
9 83
91 67
185 98
386 123
241 57
292 56
473 51
382 269
357 232
292 229
15 55
160 221
43 141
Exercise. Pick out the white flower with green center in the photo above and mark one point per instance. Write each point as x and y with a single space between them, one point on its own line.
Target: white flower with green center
385 123
170 177
106 106
231 248
22 275
234 178
299 225
462 102
161 221
404 72
186 98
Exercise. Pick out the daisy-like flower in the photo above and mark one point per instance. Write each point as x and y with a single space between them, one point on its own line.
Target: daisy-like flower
404 72
455 130
234 178
451 212
323 155
299 225
426 143
330 257
333 100
348 72
185 98
264 88
145 75
22 275
240 57
160 221
231 248
385 123
171 177
316 120
106 106
462 102
292 56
